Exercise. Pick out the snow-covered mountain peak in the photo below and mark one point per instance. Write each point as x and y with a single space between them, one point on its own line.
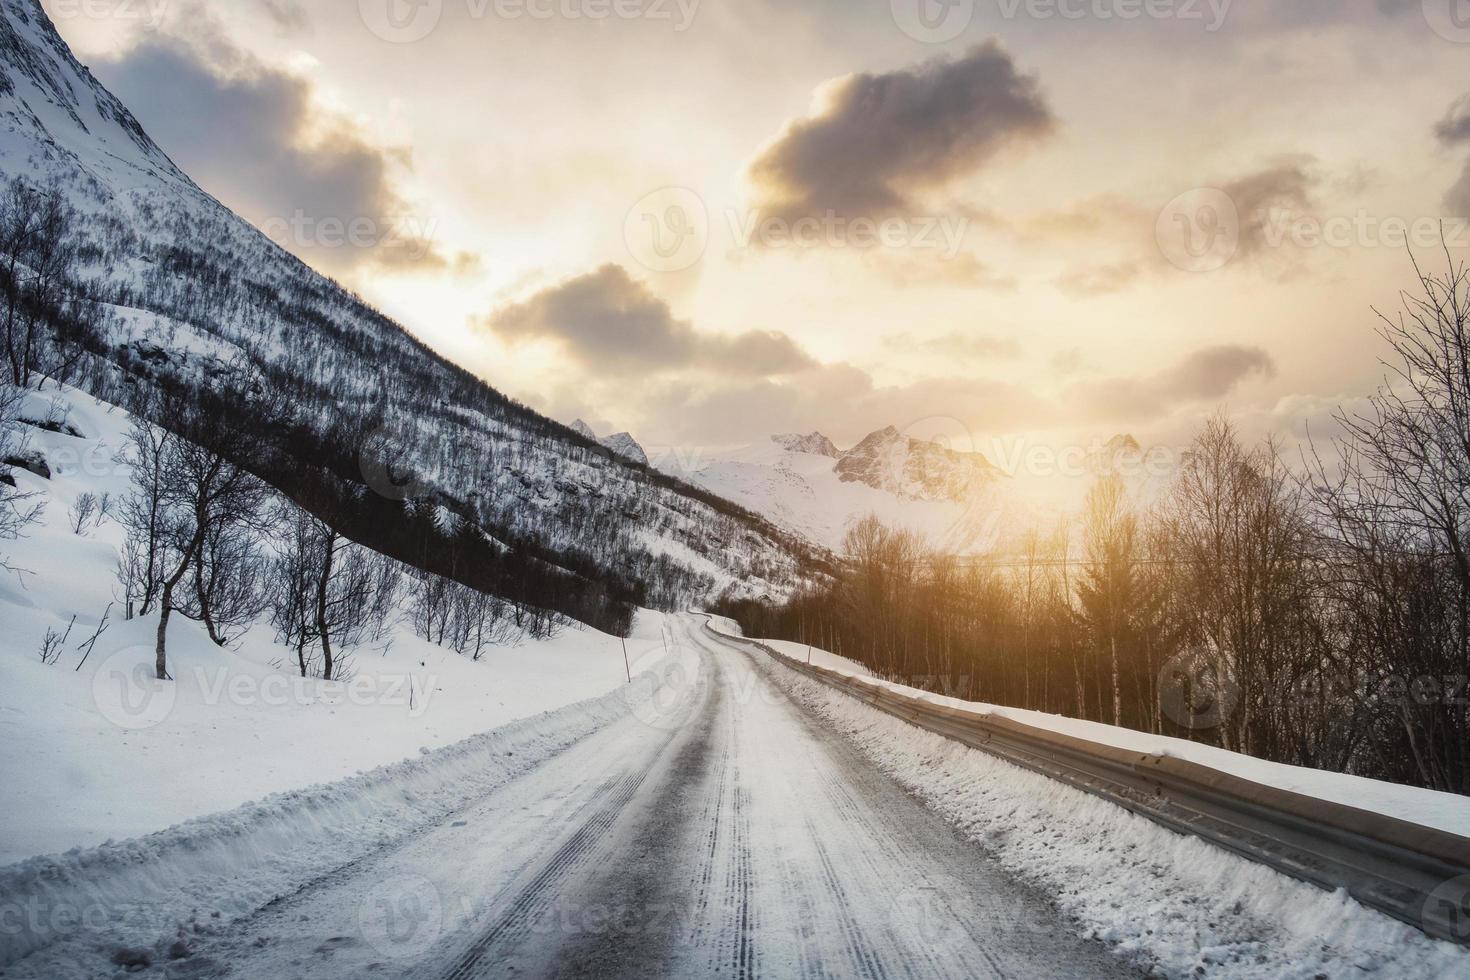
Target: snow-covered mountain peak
623 444
814 444
54 111
915 469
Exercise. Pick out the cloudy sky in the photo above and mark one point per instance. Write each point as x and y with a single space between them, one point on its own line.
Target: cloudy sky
708 220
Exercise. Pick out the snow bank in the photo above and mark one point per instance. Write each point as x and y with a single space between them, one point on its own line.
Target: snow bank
103 753
1170 904
230 864
1449 812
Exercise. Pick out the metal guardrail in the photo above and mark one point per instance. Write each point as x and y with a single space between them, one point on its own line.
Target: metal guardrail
1416 874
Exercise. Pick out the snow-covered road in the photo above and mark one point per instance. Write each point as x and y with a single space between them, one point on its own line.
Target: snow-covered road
719 830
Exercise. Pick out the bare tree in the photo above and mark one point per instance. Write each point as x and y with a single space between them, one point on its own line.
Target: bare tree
1395 508
1109 593
18 508
142 513
37 256
201 492
327 594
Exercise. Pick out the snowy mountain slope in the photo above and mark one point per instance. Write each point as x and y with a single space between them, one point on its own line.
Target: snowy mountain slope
915 469
157 246
955 500
96 751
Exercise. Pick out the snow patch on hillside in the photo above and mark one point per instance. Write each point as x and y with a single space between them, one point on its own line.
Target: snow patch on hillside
96 750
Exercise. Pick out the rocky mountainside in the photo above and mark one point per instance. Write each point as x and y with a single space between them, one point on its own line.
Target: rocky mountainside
193 295
814 444
622 444
914 469
805 483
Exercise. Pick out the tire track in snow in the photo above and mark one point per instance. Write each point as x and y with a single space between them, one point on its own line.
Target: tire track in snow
537 895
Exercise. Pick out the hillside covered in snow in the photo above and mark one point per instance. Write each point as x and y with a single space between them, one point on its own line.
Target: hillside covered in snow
184 297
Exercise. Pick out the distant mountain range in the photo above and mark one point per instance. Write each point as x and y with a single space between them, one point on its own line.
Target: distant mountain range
805 483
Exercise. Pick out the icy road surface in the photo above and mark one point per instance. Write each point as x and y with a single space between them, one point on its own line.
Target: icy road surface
717 832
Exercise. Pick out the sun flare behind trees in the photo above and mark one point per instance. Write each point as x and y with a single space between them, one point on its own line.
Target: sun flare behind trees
1312 612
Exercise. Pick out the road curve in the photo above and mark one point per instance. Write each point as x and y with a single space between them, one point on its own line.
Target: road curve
719 831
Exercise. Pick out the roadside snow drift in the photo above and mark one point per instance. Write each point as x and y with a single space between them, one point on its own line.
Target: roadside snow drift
232 863
1172 905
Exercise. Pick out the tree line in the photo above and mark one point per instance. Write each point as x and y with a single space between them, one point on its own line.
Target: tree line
1308 608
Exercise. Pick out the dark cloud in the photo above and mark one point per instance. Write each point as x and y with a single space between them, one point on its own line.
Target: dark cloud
1114 242
289 16
1455 126
610 323
1205 375
253 136
1285 186
1453 130
880 139
838 399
